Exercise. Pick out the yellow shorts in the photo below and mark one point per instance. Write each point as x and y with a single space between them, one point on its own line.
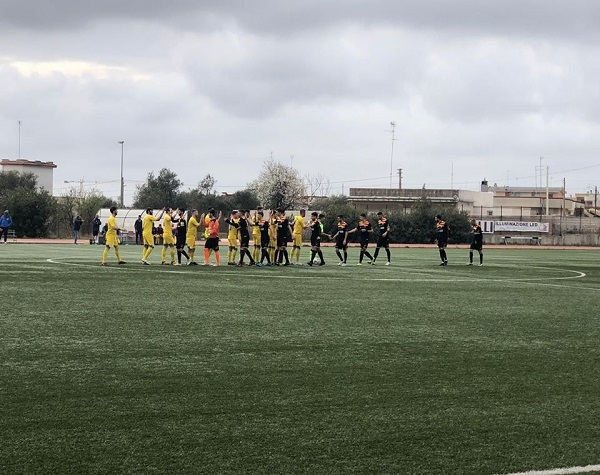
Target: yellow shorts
272 242
168 240
297 238
112 241
148 239
232 242
191 242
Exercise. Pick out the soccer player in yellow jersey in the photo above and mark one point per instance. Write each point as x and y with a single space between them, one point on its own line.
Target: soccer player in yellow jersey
168 238
232 235
272 235
206 221
190 237
112 238
256 233
147 236
298 226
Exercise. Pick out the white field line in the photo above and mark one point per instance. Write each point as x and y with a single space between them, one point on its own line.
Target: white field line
541 281
561 471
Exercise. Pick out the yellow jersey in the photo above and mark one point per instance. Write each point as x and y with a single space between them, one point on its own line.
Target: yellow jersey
299 224
233 230
148 223
112 227
167 227
192 230
206 224
256 228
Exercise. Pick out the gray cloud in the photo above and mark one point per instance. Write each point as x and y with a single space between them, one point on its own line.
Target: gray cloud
215 87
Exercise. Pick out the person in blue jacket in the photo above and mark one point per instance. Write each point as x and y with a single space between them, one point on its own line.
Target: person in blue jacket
5 223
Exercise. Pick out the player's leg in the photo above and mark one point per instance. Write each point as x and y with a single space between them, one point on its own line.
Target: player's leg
105 254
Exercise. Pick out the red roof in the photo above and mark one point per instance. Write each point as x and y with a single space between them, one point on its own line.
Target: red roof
27 163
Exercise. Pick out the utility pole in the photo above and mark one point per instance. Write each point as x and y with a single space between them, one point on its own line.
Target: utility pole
399 178
393 131
122 205
19 140
596 201
547 191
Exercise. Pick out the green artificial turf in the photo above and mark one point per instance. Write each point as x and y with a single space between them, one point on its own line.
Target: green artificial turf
406 369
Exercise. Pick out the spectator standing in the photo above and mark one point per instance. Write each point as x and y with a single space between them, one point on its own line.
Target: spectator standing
77 227
138 229
5 223
96 223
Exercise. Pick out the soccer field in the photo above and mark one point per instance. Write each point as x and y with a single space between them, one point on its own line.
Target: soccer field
406 369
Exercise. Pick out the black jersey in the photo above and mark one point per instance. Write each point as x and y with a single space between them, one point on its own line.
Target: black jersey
442 231
363 229
283 228
477 235
181 230
383 225
316 230
341 231
264 230
244 232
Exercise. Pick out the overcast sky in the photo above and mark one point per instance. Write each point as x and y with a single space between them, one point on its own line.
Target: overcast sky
477 89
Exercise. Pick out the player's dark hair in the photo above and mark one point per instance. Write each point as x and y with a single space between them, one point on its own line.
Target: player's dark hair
314 213
379 213
439 216
363 215
148 210
113 209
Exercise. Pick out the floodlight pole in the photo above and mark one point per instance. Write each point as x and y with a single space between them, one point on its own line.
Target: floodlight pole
122 205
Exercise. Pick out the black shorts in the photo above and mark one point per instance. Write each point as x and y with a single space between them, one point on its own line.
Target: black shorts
476 246
442 243
245 241
364 244
180 243
282 241
212 243
315 242
264 242
383 241
341 245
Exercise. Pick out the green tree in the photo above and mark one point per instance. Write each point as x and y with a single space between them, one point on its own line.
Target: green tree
30 208
31 211
89 206
334 206
158 191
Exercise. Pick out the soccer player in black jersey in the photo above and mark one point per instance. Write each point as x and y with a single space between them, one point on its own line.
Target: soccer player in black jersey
477 243
265 238
245 238
341 240
365 230
181 233
441 228
284 230
384 238
316 230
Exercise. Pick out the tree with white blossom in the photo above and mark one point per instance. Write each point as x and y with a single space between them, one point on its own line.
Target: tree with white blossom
278 186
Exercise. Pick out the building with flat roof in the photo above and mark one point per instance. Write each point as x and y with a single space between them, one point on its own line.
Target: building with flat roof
43 171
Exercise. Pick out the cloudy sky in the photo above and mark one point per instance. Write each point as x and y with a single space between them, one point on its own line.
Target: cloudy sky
475 88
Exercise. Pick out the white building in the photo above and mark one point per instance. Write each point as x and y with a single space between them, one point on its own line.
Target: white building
43 171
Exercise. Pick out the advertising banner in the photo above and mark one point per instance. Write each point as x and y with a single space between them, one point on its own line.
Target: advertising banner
522 226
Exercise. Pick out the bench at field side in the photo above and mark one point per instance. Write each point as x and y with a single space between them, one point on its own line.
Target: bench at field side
534 240
12 236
